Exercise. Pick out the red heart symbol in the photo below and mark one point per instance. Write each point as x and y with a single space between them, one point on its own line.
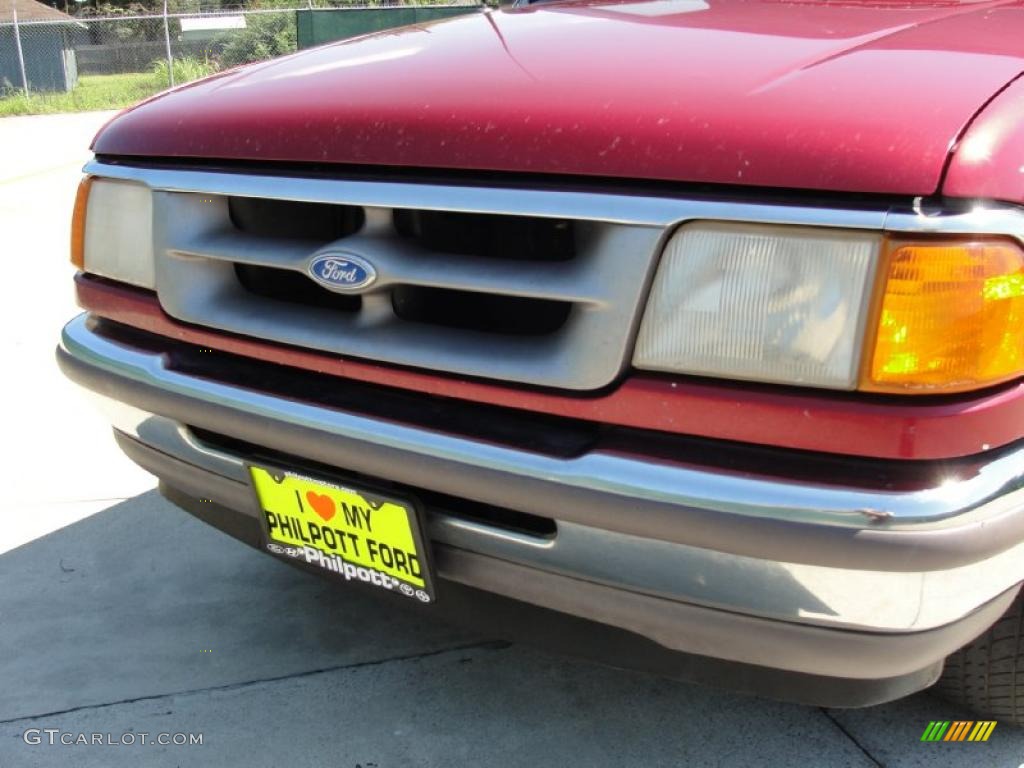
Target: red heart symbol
323 505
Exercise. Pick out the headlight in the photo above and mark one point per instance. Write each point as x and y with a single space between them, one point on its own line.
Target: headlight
767 303
112 231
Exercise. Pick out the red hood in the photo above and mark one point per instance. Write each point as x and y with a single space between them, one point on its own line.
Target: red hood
845 96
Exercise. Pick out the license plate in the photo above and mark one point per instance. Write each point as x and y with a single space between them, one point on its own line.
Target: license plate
352 533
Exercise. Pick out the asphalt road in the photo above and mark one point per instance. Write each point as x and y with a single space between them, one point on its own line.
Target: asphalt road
120 614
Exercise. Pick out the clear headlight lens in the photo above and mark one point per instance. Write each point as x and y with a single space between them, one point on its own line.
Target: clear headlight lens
766 303
112 231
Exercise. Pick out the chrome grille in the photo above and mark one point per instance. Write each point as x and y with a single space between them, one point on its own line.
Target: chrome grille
544 300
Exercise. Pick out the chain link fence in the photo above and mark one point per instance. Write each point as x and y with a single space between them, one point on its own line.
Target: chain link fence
87 62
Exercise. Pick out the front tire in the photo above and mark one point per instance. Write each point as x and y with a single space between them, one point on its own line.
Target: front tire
987 675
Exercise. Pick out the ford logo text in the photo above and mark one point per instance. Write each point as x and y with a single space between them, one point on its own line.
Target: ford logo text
341 271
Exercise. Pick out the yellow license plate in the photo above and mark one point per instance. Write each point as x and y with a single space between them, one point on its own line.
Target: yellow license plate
352 533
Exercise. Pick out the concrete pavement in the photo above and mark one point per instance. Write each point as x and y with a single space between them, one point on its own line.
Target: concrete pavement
66 466
121 614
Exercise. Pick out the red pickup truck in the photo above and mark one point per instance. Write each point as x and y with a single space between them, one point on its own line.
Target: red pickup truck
700 320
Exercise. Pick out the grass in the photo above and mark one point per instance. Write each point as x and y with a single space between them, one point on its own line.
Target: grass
93 92
186 69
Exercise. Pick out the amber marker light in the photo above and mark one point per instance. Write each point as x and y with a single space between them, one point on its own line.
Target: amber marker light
949 316
78 223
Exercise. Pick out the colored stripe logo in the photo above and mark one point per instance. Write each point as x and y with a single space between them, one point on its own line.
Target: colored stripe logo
958 730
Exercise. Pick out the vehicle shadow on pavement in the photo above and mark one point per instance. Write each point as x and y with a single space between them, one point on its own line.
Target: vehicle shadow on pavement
142 619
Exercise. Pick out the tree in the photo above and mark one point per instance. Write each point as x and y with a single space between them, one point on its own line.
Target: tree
265 35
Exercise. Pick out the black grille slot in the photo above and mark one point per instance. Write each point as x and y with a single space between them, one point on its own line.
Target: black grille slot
489 313
517 238
488 514
293 287
436 503
265 217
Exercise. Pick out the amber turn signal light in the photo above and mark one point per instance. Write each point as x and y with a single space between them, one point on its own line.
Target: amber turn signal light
949 317
78 223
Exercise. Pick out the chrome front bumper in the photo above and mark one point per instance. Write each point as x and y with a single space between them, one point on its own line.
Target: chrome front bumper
796 554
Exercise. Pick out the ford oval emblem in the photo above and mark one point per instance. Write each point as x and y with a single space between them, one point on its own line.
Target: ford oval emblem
341 271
